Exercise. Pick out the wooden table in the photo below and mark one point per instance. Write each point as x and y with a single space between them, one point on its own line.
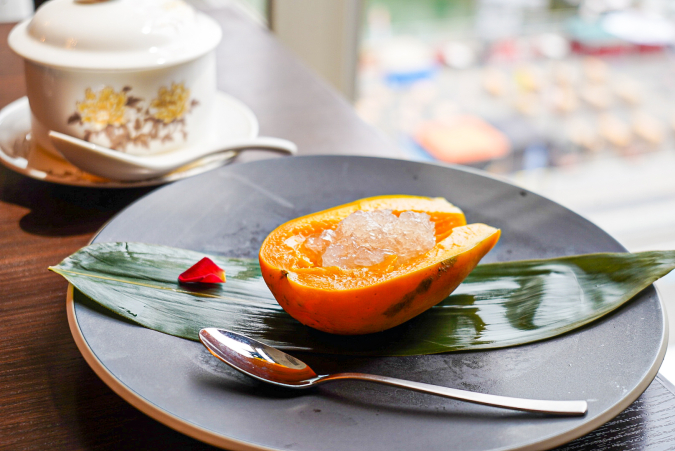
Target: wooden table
49 397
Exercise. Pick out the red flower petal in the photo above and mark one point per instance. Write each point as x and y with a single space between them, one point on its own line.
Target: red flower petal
204 271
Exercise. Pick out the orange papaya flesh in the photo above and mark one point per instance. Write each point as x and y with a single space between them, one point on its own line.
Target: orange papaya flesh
375 298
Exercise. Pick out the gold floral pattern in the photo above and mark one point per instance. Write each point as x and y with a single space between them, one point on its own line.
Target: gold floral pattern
103 109
121 121
171 104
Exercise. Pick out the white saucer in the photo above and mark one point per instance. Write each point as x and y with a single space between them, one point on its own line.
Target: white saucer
233 120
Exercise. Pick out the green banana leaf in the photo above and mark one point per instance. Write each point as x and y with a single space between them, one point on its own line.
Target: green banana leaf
498 305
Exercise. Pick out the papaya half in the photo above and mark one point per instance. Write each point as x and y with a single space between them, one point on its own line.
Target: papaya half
375 298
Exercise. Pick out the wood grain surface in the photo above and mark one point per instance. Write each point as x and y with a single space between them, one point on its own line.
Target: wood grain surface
49 398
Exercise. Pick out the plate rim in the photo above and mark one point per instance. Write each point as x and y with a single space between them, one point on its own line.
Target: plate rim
36 174
219 440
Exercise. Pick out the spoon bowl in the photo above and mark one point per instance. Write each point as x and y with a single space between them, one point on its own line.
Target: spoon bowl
114 165
273 366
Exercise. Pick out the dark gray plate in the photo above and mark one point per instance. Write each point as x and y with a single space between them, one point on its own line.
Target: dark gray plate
230 210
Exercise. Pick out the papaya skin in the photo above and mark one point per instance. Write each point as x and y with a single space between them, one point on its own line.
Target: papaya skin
351 302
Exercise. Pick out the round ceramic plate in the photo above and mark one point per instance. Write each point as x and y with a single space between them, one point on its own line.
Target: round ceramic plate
230 210
232 121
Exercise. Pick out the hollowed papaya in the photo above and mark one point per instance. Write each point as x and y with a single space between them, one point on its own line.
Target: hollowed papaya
375 298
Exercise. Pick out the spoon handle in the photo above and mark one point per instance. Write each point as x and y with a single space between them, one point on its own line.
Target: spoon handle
528 405
266 142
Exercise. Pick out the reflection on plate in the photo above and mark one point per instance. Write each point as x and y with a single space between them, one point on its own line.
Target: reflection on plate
229 211
232 121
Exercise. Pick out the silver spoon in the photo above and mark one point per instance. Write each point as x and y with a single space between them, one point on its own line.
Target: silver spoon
111 164
271 365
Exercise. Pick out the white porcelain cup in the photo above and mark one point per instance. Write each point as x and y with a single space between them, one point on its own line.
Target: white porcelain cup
137 76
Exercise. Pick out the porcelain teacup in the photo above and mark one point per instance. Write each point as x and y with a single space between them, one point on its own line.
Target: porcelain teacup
137 76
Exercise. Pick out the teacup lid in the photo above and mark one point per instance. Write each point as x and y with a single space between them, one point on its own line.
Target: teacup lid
114 34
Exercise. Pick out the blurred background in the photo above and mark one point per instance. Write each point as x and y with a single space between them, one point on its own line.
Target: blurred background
572 99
